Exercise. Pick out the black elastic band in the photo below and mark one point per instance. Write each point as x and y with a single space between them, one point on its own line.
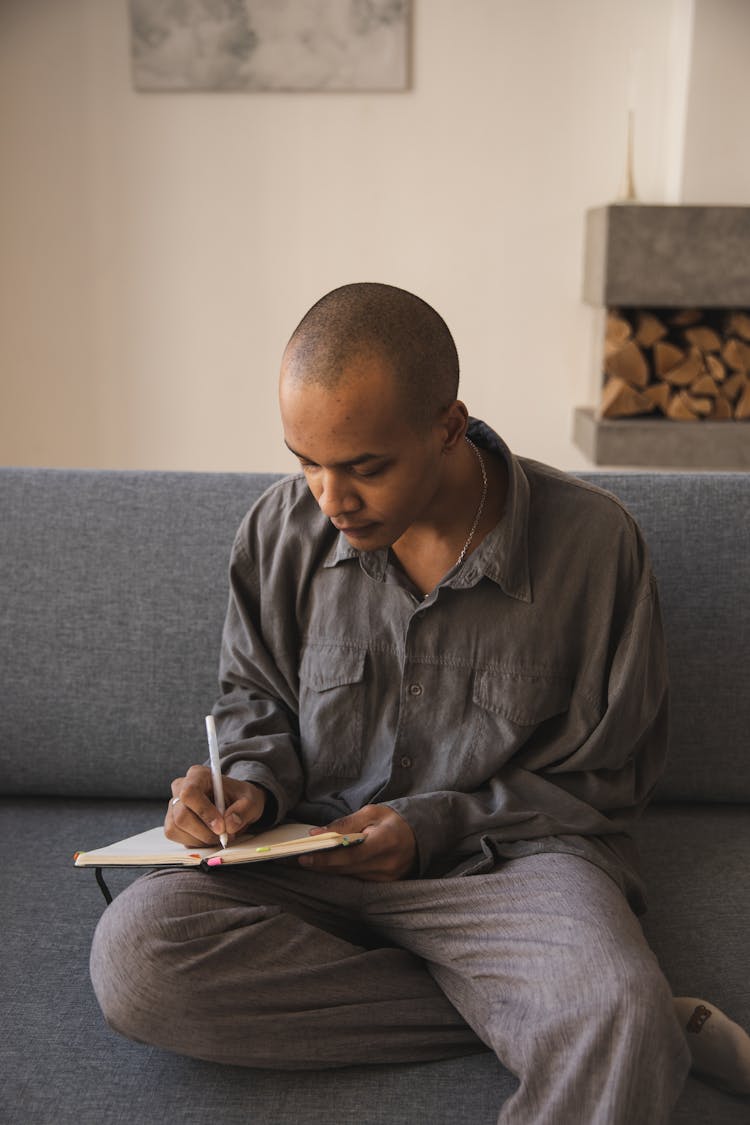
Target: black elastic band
102 885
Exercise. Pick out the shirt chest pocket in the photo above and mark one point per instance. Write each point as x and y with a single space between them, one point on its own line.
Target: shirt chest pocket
511 706
331 709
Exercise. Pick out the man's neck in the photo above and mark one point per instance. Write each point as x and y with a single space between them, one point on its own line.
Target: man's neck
429 549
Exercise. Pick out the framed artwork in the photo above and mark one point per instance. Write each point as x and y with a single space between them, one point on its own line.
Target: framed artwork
249 45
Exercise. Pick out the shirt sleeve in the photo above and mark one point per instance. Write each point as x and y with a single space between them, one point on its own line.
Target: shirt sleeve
596 786
256 714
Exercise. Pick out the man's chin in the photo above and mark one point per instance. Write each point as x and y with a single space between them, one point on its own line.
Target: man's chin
366 536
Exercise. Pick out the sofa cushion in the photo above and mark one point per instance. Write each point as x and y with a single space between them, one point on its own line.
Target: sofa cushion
696 865
113 596
114 592
697 526
62 1064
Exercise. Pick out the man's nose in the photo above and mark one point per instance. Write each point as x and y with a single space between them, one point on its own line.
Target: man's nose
336 495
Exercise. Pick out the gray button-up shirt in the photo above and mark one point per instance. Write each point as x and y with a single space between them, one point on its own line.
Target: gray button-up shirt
521 707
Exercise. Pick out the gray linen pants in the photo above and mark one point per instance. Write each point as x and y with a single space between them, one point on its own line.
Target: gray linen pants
274 966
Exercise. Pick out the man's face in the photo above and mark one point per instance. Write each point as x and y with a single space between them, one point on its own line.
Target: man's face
372 472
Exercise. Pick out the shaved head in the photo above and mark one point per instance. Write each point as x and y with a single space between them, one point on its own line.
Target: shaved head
369 320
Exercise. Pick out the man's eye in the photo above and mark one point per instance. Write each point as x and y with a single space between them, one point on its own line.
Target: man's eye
310 467
368 472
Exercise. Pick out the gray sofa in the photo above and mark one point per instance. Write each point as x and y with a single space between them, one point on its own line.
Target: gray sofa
112 598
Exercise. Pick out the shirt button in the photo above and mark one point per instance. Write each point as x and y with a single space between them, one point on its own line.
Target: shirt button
406 762
415 689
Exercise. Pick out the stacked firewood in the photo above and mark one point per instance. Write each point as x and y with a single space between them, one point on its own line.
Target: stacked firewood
687 364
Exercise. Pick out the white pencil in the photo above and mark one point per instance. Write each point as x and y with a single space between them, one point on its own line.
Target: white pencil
213 753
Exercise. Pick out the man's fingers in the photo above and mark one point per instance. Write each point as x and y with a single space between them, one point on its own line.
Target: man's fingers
184 826
242 813
367 819
195 800
387 852
192 818
354 822
362 861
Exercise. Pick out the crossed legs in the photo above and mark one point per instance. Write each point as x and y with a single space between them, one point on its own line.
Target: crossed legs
252 969
542 961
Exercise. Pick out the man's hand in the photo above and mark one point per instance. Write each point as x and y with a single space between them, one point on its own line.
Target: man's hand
194 818
387 853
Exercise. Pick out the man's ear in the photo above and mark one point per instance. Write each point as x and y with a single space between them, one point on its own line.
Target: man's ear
454 423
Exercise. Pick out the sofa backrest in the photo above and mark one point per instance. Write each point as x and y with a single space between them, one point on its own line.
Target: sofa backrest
113 591
697 526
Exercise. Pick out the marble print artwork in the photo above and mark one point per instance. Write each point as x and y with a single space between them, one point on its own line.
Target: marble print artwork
270 44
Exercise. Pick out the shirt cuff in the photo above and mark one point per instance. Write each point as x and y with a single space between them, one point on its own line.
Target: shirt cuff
276 806
426 822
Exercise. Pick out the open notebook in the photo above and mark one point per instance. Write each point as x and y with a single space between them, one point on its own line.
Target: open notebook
153 849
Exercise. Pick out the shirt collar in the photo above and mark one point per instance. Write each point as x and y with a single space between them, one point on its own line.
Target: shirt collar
503 555
374 563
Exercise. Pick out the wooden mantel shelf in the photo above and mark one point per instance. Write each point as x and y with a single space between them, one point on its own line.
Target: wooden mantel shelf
661 443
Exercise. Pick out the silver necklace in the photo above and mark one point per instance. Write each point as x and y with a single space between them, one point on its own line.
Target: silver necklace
480 509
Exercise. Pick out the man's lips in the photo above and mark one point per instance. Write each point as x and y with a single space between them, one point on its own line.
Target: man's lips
353 529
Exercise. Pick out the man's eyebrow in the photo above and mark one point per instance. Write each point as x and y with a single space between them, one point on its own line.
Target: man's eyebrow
360 459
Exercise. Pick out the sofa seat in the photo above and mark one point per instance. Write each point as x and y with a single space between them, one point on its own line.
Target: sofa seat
59 1034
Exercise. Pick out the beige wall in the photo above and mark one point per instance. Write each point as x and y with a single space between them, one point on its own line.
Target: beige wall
158 249
717 152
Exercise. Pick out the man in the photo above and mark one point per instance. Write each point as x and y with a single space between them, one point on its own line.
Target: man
459 654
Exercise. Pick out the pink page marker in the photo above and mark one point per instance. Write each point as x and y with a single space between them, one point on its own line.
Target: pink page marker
213 862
